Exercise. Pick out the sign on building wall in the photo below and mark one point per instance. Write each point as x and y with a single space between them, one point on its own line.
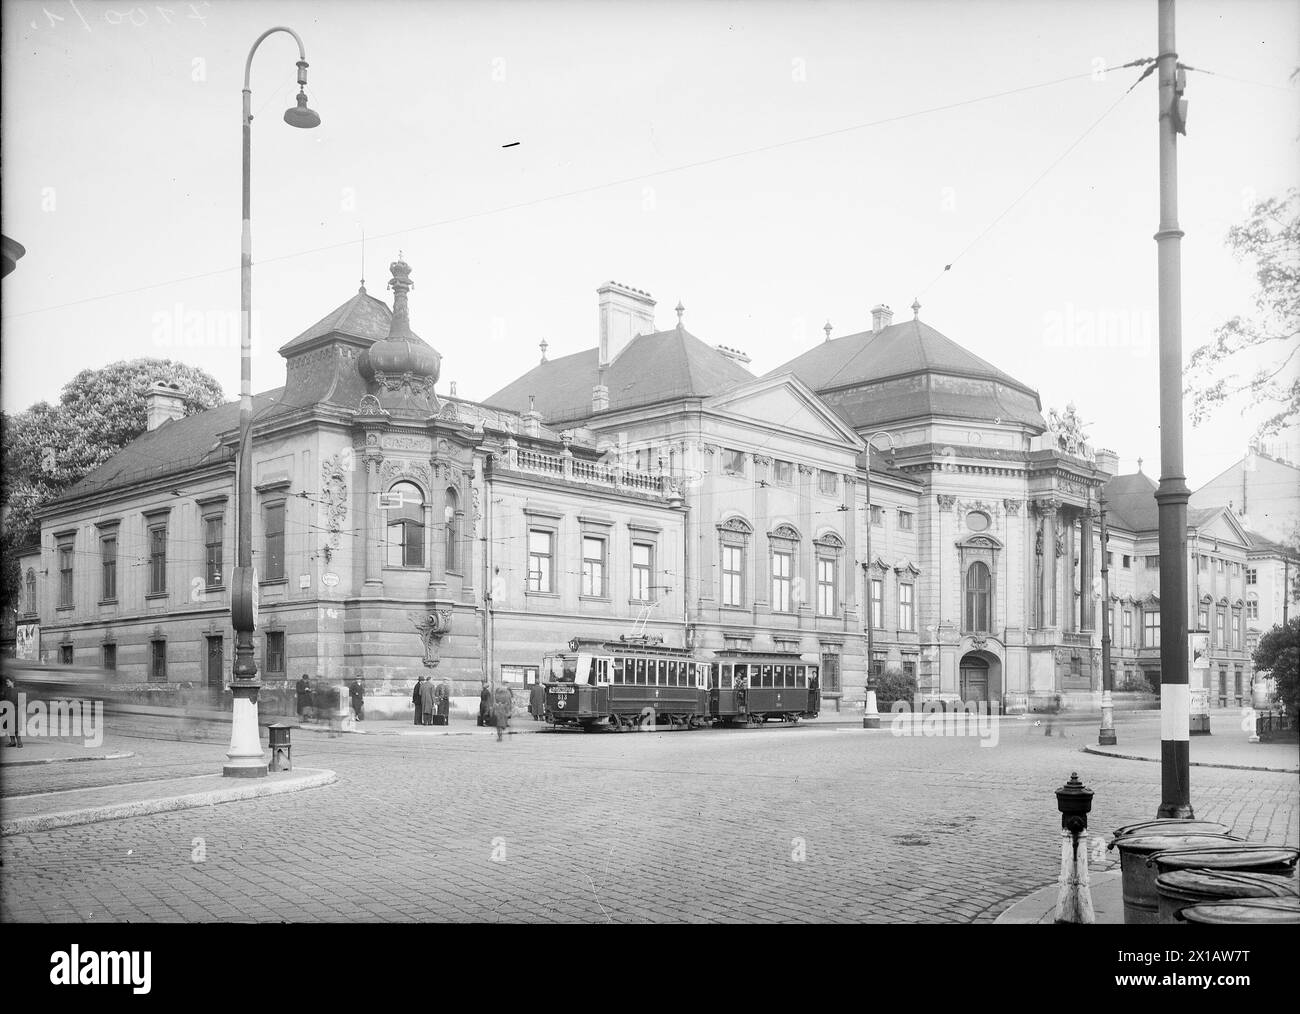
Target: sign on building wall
28 645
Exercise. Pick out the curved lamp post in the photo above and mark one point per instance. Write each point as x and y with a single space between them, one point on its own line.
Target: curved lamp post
245 754
871 717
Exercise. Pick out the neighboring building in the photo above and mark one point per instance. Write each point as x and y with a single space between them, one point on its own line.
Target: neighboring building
1272 586
1217 577
650 483
1262 490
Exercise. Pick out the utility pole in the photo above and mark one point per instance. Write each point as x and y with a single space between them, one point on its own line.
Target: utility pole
1107 735
1172 494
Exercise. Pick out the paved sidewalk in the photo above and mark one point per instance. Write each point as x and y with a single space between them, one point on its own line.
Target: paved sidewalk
42 811
1107 892
1227 746
54 751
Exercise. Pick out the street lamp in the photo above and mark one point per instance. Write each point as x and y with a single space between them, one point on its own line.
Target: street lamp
871 718
245 754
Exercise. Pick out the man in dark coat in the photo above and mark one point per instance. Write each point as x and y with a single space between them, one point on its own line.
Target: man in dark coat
503 703
303 687
537 700
427 702
415 700
484 706
358 695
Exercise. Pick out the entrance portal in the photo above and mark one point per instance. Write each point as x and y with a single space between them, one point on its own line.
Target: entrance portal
974 679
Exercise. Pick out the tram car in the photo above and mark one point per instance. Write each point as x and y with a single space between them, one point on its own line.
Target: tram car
634 682
760 686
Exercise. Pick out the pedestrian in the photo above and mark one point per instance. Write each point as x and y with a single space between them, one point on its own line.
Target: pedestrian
358 694
303 687
485 706
537 701
443 716
503 702
427 701
11 696
415 700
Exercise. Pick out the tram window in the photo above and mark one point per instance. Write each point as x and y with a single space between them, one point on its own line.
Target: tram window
640 669
672 673
780 677
570 673
663 673
742 676
799 676
591 673
618 670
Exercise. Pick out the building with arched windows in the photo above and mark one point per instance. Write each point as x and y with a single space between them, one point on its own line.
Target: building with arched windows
651 484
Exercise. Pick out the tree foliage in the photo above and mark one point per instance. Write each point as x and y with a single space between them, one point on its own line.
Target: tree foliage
1265 340
1278 655
891 686
48 448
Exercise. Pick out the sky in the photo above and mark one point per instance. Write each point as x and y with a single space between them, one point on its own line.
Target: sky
772 165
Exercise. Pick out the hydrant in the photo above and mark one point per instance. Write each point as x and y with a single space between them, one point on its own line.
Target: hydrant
1074 898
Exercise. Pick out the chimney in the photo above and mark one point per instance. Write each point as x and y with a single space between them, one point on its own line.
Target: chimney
163 403
599 398
625 312
1107 462
881 317
735 355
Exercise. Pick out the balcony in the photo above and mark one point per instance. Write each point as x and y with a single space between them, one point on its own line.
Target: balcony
566 468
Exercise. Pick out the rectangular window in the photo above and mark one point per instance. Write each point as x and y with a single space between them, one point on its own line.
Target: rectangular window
108 564
906 618
877 517
1218 565
1151 629
275 651
65 575
110 657
1203 620
274 535
1126 640
157 559
826 586
830 674
1236 570
65 654
157 661
733 564
1220 622
904 521
1203 562
877 603
1236 629
782 571
1153 563
1252 609
593 566
642 570
1252 575
540 553
733 462
1128 562
827 482
214 535
783 472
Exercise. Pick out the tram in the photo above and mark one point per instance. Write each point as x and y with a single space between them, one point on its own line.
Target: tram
624 684
760 686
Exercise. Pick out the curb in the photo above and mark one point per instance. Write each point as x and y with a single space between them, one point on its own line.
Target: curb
64 760
314 778
1195 764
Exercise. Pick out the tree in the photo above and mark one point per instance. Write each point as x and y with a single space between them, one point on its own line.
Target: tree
1267 341
1278 654
48 448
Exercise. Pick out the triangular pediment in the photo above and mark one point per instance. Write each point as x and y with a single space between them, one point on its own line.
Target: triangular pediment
1224 525
787 403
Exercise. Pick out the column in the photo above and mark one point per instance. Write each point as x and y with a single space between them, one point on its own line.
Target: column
1086 618
373 532
1050 563
807 549
849 578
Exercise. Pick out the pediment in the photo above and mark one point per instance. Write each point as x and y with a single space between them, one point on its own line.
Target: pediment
786 403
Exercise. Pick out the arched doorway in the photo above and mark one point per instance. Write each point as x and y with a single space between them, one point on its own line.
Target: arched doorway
980 679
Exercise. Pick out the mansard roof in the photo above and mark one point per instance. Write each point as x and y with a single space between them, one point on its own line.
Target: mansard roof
652 367
362 316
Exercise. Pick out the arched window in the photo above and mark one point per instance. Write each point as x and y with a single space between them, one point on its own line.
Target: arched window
31 590
451 530
978 588
405 525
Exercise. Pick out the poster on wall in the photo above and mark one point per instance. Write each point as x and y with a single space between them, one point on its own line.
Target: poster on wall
28 645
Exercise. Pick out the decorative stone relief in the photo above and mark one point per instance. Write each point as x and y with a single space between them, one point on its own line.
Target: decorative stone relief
405 442
1012 507
394 468
432 627
946 502
370 406
334 489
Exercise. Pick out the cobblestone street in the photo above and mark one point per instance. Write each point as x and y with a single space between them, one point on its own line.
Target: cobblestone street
753 825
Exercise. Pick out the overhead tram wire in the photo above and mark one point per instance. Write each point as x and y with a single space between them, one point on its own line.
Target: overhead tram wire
572 193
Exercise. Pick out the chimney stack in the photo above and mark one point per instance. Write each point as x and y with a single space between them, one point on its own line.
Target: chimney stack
881 317
163 403
735 355
599 398
625 312
1107 462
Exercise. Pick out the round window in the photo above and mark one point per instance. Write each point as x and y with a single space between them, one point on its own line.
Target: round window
977 521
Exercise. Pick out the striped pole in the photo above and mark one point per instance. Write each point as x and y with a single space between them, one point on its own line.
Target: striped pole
1172 494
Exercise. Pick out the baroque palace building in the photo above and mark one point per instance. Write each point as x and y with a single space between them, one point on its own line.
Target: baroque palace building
650 484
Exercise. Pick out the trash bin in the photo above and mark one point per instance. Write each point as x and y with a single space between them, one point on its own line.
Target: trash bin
1141 903
1180 888
1172 825
281 749
1243 857
1277 911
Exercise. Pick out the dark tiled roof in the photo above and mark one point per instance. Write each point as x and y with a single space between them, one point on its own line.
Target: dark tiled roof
362 316
1130 500
651 368
1260 544
911 369
176 446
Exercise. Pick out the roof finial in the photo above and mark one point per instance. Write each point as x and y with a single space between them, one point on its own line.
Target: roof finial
1139 464
401 284
543 346
680 310
362 290
916 308
827 329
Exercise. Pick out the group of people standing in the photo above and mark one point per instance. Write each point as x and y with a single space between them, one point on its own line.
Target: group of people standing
495 708
431 701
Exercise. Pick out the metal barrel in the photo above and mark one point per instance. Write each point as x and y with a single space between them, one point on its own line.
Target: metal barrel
1141 902
1276 911
1252 857
1172 825
1181 888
